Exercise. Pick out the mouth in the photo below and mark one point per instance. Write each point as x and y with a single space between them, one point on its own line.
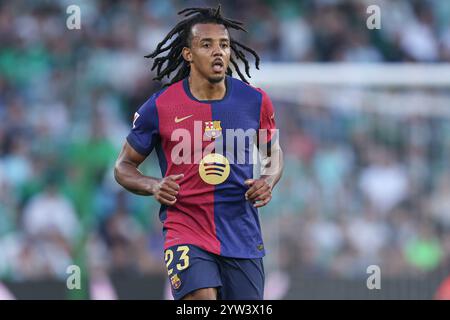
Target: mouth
218 66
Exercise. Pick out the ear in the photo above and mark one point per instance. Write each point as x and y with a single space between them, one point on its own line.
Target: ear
187 54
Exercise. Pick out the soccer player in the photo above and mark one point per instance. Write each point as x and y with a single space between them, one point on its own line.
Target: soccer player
208 195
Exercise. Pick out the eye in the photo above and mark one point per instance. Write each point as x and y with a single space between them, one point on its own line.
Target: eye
224 45
205 45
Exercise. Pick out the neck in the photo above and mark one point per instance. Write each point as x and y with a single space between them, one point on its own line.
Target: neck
202 89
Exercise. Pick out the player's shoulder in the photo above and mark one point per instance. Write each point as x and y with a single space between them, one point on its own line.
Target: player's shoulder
151 102
248 89
157 94
168 94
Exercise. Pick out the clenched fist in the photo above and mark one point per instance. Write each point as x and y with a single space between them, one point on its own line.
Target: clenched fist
260 192
166 190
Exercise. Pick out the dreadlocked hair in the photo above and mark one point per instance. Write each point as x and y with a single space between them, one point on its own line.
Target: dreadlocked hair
173 60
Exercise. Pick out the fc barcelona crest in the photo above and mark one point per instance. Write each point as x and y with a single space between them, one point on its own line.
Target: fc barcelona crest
175 281
213 129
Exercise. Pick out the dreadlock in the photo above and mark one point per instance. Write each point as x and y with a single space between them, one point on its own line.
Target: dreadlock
174 59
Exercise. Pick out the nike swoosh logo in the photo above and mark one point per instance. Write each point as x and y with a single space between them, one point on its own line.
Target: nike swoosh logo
178 120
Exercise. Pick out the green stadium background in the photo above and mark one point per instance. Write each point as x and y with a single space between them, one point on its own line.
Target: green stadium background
364 183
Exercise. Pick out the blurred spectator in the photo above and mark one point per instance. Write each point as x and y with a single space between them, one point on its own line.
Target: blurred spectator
424 251
440 202
383 182
51 214
368 234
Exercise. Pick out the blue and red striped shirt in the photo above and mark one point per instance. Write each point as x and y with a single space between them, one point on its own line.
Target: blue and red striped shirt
211 211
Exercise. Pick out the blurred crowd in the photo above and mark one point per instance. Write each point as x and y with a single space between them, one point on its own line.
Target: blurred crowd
358 188
364 189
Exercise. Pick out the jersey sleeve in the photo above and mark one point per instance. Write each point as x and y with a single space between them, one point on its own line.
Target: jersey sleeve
267 124
145 130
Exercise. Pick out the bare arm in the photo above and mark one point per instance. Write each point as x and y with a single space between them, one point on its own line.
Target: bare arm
272 167
260 192
127 174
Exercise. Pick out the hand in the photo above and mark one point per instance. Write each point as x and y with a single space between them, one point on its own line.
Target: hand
260 192
166 190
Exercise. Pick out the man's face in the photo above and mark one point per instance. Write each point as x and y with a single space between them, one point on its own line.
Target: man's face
209 52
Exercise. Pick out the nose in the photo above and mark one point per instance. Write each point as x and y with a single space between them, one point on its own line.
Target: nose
218 51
